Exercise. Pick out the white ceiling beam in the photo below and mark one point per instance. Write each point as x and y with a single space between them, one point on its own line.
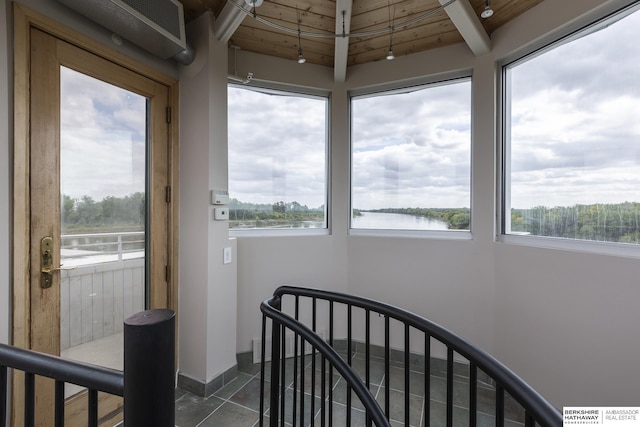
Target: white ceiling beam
343 15
468 24
228 21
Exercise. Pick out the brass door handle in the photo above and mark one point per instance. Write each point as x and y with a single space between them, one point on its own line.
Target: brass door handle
46 263
52 270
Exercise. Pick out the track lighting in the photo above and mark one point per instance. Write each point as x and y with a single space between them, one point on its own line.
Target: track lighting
301 59
390 55
487 12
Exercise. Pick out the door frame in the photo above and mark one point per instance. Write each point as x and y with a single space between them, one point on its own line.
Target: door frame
24 19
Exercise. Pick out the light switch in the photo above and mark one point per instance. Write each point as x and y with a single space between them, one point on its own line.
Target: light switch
226 256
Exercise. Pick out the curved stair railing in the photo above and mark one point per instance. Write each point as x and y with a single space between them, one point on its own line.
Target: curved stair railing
325 345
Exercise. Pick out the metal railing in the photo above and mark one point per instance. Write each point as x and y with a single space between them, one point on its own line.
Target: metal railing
117 245
487 388
147 382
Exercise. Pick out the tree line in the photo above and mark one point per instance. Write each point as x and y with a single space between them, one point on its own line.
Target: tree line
85 215
456 218
274 212
600 222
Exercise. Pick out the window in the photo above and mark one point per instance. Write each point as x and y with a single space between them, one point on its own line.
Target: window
277 159
411 153
572 137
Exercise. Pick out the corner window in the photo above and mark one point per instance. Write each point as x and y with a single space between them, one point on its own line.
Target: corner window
572 137
411 158
277 159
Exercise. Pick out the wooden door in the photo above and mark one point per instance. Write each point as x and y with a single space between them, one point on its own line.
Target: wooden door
98 171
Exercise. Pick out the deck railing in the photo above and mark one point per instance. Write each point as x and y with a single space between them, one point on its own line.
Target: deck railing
147 382
369 336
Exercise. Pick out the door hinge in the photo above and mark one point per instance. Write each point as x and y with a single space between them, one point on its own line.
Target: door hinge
168 115
167 273
167 194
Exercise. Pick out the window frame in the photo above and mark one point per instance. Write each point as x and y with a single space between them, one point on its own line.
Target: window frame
272 88
590 23
393 88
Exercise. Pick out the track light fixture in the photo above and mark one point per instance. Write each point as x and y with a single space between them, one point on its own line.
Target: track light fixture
301 58
254 3
390 54
487 12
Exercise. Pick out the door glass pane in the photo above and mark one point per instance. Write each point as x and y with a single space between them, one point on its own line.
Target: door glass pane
103 138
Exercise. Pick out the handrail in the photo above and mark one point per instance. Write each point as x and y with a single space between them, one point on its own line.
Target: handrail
536 406
83 374
268 307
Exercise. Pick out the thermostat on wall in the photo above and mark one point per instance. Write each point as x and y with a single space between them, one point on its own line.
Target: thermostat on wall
219 197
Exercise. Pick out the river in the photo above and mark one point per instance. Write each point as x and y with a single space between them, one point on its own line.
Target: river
394 221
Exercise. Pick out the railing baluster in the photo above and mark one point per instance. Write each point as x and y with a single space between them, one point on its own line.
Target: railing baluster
407 369
59 405
499 406
283 372
323 394
331 365
3 396
427 380
349 337
313 364
387 376
449 387
93 408
295 365
29 402
529 421
275 370
367 354
302 345
473 394
263 346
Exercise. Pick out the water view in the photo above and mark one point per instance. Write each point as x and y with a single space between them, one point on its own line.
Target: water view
394 221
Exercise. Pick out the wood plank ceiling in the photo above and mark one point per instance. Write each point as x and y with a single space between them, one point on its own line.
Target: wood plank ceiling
459 22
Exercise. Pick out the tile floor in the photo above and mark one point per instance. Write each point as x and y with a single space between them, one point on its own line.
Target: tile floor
238 403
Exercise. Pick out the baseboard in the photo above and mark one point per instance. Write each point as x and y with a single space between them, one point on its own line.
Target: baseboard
203 389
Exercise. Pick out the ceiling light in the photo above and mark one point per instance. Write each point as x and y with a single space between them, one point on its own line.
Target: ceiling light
390 55
301 59
254 3
487 12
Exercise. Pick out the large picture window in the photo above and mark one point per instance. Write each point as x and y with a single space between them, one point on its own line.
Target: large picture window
277 159
411 154
572 136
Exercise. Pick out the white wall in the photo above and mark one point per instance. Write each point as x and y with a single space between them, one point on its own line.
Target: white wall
565 321
207 331
5 172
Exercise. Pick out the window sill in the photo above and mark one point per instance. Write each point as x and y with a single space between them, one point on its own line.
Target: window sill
588 246
415 234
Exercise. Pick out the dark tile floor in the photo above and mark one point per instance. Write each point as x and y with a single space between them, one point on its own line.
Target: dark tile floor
238 403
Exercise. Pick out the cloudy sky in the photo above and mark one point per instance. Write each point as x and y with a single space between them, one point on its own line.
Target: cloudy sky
102 138
277 148
576 121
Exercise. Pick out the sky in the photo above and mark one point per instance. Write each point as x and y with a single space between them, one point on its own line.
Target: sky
575 128
102 138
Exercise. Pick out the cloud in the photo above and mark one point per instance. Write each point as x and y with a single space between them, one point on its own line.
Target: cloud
412 149
575 133
277 148
102 138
